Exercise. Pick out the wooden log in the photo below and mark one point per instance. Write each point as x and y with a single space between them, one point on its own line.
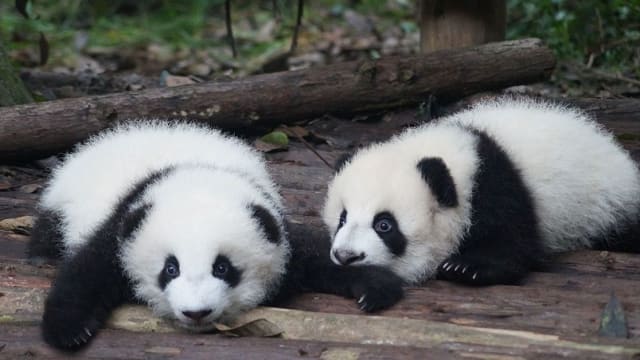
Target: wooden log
24 342
446 24
566 302
33 131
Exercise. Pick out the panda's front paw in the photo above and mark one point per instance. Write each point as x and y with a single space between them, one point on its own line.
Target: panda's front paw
480 270
67 325
379 290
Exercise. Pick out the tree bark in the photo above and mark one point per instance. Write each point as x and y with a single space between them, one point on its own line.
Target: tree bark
12 90
456 23
33 131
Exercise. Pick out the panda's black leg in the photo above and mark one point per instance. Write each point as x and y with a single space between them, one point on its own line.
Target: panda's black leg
374 288
311 269
500 262
45 244
481 269
87 288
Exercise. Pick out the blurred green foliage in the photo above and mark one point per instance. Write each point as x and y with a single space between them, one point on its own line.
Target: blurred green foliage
606 31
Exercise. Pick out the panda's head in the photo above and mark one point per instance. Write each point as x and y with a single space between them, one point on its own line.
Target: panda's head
209 246
389 205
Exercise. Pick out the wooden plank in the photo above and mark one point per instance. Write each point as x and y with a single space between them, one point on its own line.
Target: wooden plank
24 341
568 304
383 336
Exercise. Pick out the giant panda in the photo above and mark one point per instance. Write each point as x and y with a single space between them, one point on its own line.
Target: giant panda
481 196
182 218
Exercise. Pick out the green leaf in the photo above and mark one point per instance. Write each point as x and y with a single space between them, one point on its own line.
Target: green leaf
276 138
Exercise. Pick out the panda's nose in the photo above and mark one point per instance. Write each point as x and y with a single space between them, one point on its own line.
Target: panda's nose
347 257
197 315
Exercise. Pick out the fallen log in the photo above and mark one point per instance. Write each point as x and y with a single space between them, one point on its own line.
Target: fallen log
33 131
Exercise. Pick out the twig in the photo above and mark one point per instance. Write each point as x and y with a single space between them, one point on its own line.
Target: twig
291 132
617 76
227 18
294 40
310 147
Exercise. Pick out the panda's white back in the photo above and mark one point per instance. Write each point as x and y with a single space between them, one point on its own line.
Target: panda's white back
581 181
87 186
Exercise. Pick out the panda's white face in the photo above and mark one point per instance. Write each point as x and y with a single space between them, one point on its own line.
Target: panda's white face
380 211
200 257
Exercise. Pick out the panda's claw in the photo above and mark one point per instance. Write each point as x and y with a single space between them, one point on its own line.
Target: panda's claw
474 275
376 288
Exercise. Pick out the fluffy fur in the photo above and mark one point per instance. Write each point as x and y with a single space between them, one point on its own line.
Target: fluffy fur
130 200
481 196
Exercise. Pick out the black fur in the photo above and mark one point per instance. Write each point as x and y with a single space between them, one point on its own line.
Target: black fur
626 239
164 278
394 239
268 223
436 174
311 269
231 274
46 238
503 242
90 284
342 160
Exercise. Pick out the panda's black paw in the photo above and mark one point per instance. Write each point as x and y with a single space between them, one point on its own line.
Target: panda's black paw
67 325
479 270
380 289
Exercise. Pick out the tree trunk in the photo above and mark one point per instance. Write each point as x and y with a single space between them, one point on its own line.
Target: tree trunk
33 131
12 90
459 23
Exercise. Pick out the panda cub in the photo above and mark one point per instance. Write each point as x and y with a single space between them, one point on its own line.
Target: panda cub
176 216
481 196
181 218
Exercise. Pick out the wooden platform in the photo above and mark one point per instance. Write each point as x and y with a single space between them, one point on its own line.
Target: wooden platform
556 313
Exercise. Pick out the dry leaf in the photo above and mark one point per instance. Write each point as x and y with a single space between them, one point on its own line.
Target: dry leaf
30 188
19 225
294 131
253 328
174 80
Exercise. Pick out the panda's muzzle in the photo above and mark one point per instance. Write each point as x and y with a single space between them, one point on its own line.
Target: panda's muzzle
347 257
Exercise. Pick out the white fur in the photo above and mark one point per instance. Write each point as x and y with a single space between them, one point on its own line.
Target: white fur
583 184
199 210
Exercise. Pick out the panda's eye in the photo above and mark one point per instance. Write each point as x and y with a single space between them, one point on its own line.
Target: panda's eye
171 270
220 269
223 269
343 218
383 226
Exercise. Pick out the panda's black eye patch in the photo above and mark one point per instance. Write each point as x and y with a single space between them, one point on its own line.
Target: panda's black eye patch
170 271
343 219
383 226
223 269
386 226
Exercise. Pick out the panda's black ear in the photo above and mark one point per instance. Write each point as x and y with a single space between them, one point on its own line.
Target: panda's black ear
342 160
267 221
435 172
132 219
